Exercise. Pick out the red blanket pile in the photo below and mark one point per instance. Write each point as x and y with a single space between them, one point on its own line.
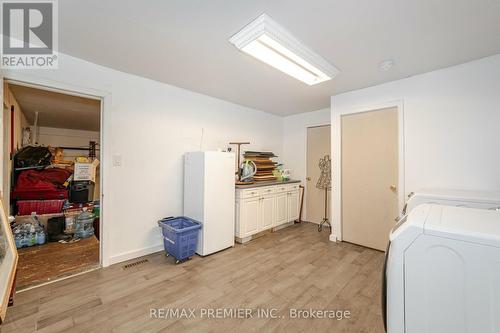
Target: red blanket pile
41 185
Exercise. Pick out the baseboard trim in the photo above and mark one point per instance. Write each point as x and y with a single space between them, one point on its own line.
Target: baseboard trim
284 225
135 254
263 232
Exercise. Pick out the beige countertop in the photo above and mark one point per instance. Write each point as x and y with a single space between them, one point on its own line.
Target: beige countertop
270 183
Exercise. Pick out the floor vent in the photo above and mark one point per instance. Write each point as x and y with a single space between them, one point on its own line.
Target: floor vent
135 263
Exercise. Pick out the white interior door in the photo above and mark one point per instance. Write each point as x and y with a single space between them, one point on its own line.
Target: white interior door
318 145
369 176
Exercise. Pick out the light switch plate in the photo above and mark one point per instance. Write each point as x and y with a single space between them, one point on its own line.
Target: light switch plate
117 160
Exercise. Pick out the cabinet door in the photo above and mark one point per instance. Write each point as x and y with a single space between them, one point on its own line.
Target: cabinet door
267 212
281 208
293 206
249 218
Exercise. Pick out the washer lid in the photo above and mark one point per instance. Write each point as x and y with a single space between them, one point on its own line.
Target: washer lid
459 195
466 224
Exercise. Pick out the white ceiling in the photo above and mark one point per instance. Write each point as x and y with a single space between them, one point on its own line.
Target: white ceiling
185 42
58 110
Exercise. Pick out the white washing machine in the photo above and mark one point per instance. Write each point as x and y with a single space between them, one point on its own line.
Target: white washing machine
460 198
403 287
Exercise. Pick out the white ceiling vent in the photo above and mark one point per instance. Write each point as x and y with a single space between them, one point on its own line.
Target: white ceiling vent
267 41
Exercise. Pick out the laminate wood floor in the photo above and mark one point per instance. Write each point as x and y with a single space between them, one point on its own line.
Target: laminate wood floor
294 268
43 263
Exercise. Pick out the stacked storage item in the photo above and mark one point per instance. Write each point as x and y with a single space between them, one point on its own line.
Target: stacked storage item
41 190
47 184
29 233
32 157
84 224
79 215
84 178
81 191
265 166
75 222
26 207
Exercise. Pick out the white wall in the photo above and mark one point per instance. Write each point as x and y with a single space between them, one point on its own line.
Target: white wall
151 125
451 125
295 142
56 137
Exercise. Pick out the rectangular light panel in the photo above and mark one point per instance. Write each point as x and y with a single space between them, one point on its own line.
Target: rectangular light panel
265 40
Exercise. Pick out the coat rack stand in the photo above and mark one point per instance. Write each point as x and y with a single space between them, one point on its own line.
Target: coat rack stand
325 183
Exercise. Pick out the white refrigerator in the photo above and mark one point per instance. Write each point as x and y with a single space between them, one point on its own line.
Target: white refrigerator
209 198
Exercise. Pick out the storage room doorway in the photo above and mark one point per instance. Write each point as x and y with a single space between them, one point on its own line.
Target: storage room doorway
51 172
317 195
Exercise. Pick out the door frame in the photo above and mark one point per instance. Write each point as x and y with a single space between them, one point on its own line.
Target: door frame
2 102
336 145
307 127
5 159
20 78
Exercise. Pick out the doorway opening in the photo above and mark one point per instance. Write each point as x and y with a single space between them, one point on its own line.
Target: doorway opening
51 181
318 193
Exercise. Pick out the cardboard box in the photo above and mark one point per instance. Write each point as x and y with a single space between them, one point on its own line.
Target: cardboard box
85 171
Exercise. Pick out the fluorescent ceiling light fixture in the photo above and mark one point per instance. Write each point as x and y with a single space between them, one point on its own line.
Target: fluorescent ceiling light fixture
267 41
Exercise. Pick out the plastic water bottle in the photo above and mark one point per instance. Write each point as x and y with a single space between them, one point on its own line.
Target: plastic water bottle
24 240
18 238
32 239
40 237
84 224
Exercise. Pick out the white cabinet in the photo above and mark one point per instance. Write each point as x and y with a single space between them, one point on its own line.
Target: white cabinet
281 208
250 211
293 205
267 211
263 208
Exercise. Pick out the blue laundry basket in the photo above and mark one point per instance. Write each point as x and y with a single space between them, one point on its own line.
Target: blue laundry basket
180 236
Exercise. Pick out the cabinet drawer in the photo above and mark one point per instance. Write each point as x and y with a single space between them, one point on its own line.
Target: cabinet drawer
281 188
249 193
267 190
293 187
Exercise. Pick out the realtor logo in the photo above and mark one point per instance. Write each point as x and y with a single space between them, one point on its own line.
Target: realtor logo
29 34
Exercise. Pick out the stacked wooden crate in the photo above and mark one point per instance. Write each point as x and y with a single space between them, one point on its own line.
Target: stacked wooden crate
265 166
